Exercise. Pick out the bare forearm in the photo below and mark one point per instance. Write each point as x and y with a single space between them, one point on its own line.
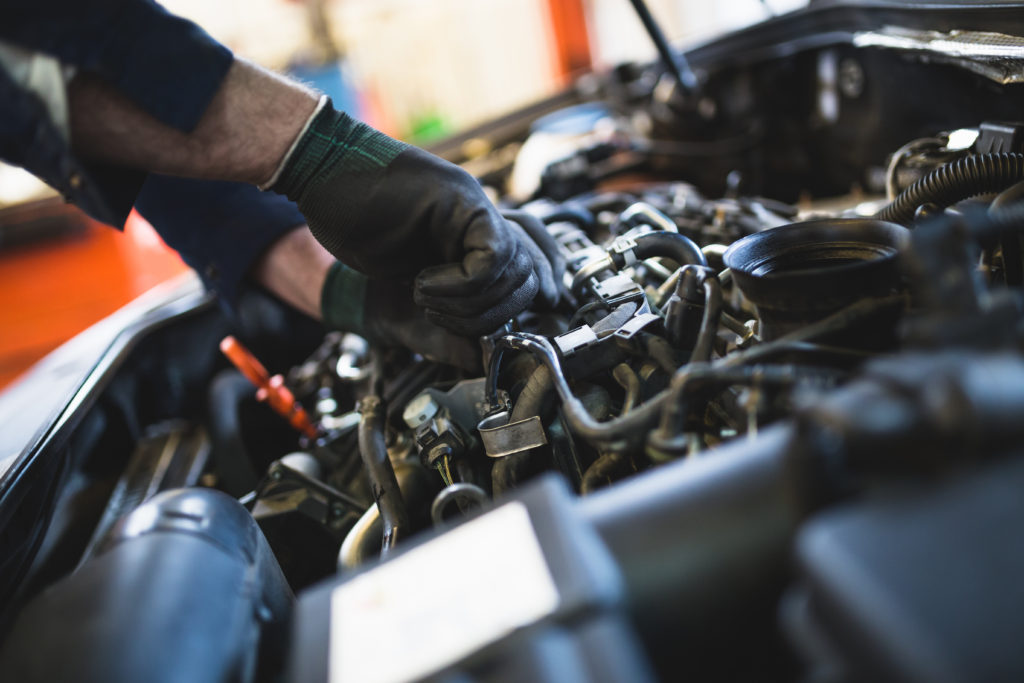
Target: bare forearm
294 268
245 132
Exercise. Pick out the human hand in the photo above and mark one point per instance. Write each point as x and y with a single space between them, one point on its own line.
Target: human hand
395 212
385 314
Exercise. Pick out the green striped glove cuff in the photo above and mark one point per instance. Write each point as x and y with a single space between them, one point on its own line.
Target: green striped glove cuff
343 299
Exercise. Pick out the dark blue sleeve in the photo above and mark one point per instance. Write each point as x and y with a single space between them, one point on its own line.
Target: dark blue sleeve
165 64
220 229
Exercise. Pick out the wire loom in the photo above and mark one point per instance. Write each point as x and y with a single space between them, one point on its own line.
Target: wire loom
964 178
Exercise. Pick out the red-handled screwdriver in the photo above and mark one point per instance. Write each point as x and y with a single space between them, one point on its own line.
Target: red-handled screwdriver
268 389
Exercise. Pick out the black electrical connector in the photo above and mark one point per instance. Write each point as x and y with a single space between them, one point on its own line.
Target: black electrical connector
1000 136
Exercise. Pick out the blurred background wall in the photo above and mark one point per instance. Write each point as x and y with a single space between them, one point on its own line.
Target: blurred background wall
422 68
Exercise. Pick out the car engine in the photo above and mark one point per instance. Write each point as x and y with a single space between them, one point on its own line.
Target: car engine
771 431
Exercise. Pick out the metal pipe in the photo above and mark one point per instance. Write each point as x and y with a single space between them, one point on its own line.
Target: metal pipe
642 212
353 549
580 421
709 323
838 321
637 422
629 381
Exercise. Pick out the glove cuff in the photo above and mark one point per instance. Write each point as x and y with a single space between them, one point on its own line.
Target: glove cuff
343 299
321 104
331 141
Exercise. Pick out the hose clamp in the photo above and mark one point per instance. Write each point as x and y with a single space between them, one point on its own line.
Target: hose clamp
501 437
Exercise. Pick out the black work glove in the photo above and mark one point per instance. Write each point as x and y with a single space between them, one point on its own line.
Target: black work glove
395 212
383 312
473 314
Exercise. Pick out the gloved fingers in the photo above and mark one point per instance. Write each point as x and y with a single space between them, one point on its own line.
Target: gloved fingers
536 229
431 341
433 287
482 259
393 319
490 319
548 291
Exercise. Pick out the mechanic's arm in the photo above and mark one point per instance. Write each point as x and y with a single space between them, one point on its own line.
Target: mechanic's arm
243 134
153 92
295 268
390 210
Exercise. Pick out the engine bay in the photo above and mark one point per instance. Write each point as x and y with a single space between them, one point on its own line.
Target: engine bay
772 429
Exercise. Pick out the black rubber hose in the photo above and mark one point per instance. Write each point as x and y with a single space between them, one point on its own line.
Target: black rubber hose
670 245
234 466
383 481
508 470
962 179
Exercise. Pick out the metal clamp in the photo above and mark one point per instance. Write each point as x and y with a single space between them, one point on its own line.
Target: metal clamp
501 437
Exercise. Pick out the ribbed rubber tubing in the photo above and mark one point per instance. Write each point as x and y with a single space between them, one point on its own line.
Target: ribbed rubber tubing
962 179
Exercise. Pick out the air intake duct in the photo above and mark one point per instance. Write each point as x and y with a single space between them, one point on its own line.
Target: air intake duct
800 273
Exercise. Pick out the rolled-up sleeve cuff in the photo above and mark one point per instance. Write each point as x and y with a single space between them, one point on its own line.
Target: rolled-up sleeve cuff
167 65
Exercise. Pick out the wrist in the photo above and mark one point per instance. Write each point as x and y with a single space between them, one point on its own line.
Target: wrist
331 142
343 299
275 176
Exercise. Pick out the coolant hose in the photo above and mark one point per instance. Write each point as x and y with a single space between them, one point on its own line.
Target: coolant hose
962 179
383 481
